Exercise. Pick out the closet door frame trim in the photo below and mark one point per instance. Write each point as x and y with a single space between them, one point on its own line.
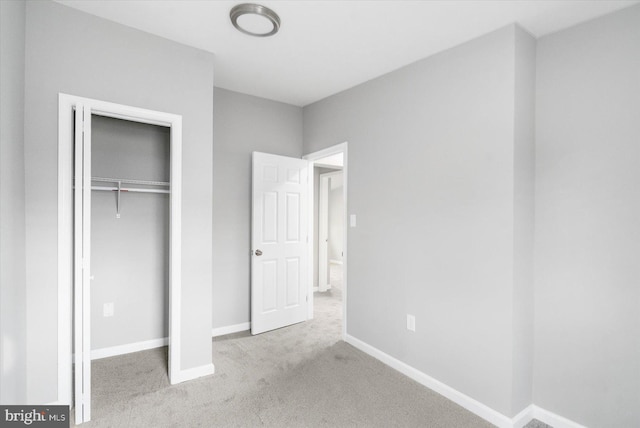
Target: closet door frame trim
66 104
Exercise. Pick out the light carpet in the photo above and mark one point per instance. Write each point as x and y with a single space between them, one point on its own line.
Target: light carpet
298 376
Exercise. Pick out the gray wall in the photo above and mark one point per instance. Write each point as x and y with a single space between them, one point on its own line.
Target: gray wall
587 352
130 254
443 130
80 54
336 218
12 211
243 124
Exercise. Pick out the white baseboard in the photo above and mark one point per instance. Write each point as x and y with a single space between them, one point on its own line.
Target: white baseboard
316 289
556 421
326 288
112 351
523 418
335 262
221 331
193 373
474 406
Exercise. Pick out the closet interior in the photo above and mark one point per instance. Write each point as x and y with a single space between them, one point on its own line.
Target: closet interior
130 226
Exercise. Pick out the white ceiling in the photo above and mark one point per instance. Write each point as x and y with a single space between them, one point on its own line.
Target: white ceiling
324 47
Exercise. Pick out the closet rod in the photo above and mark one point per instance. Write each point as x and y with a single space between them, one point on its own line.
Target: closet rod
129 181
118 188
129 189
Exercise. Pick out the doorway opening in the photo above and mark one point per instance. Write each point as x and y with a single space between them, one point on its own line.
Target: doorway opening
328 249
76 185
329 225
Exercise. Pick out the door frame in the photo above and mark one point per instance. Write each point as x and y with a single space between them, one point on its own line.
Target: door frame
312 158
66 104
324 226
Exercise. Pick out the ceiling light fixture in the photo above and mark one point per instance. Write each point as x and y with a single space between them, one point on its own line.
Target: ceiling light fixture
255 20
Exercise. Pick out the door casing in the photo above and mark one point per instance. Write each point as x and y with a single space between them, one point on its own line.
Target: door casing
66 104
312 158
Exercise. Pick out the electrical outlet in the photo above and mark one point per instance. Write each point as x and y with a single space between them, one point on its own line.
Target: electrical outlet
411 322
107 310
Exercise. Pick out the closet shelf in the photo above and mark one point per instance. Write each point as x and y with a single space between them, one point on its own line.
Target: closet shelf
129 181
118 187
128 189
120 181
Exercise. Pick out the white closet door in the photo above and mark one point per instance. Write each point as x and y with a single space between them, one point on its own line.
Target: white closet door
82 263
280 244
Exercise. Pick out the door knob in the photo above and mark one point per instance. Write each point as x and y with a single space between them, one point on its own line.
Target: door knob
258 253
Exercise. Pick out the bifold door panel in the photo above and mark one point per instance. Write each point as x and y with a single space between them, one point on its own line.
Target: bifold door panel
82 263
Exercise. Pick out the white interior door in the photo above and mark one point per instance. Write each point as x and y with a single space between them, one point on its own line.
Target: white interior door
82 263
280 256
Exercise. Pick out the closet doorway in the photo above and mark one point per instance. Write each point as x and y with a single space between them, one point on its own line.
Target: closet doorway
75 185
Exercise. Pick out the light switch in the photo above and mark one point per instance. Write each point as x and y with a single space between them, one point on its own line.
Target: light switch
107 310
411 322
352 220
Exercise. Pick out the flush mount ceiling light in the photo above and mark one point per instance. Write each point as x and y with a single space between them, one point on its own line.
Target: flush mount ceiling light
255 20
